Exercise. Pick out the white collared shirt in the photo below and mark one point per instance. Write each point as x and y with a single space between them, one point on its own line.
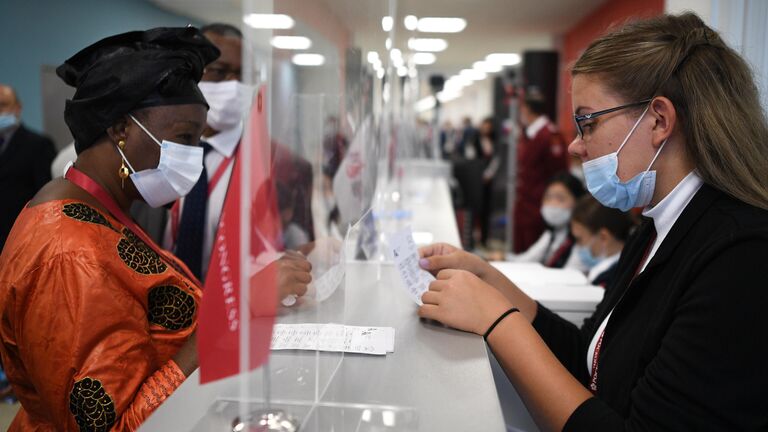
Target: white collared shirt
223 146
664 215
545 247
602 267
537 125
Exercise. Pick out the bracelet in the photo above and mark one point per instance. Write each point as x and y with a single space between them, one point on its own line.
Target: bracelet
498 320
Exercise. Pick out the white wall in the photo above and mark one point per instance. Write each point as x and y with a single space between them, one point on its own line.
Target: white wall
743 24
476 102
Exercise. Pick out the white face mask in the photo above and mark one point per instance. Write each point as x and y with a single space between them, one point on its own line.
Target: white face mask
179 169
229 102
556 217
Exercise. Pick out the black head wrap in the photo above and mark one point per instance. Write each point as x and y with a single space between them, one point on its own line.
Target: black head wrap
129 71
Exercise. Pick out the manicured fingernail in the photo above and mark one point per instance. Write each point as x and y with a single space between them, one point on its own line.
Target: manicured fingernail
424 263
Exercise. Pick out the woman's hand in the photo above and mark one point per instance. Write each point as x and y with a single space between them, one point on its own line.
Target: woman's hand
461 300
293 274
441 256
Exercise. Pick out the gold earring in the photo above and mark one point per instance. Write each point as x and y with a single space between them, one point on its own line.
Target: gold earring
123 172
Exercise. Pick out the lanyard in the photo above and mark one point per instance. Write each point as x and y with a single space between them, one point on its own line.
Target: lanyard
212 183
86 183
599 344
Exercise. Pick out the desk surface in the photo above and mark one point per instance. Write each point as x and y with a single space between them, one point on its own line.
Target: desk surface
443 375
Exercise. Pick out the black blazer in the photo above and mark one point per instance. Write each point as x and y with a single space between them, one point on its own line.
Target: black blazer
686 349
25 166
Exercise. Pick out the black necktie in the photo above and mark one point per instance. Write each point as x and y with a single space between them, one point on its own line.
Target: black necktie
189 241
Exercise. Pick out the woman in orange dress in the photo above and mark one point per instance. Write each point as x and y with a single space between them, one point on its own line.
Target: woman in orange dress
97 323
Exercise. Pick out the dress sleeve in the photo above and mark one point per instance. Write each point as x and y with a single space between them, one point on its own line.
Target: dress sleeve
709 372
85 344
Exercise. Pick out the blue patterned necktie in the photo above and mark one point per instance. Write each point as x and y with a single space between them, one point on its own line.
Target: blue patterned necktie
189 241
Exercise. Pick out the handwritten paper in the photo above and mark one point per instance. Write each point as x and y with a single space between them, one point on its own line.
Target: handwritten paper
415 280
334 338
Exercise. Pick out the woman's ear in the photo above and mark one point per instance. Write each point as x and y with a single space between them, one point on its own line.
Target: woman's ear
665 116
119 130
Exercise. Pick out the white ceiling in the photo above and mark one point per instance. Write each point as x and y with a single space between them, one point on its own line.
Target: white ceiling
492 25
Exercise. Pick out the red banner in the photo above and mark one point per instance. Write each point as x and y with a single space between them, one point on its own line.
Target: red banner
218 334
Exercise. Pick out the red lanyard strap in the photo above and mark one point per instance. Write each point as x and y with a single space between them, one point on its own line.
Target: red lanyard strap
86 183
599 344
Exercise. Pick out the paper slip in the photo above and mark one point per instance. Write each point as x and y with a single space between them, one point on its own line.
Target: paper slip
406 256
334 338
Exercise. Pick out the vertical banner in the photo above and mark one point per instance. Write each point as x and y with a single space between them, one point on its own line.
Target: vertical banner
220 321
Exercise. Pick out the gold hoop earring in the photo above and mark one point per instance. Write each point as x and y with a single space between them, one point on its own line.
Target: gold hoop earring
123 172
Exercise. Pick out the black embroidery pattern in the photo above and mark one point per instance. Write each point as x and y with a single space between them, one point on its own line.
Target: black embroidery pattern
92 407
138 256
85 213
171 307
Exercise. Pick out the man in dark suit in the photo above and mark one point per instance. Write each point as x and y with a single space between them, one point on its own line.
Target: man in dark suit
25 161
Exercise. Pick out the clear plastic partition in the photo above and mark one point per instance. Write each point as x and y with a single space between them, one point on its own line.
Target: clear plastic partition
321 118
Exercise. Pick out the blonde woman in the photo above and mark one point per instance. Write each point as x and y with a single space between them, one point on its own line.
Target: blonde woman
669 120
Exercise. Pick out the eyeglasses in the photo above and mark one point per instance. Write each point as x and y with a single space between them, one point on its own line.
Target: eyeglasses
580 118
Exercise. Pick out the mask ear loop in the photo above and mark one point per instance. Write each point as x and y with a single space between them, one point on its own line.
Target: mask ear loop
145 130
631 131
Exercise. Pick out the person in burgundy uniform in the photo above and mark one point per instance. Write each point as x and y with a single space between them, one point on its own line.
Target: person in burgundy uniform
541 153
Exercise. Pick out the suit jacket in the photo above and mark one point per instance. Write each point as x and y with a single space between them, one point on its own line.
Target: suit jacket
25 166
686 346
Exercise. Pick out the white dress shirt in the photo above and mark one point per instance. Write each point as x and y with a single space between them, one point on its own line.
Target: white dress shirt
602 266
223 146
542 250
664 215
536 126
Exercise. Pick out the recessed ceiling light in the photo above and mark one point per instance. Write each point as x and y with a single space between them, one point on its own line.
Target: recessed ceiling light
488 67
425 104
291 42
388 43
268 21
424 58
503 59
386 23
402 71
472 74
307 59
427 44
441 25
410 22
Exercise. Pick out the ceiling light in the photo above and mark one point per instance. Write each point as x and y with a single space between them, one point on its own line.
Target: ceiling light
388 43
373 57
380 73
412 72
308 59
268 21
396 54
427 44
410 22
426 104
503 59
386 23
488 67
447 96
424 58
472 74
463 81
291 42
441 25
402 71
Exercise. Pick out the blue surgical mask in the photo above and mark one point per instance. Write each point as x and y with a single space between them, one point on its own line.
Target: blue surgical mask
604 184
7 120
586 256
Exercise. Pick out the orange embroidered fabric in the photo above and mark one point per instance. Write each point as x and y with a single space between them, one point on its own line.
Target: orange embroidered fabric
90 318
